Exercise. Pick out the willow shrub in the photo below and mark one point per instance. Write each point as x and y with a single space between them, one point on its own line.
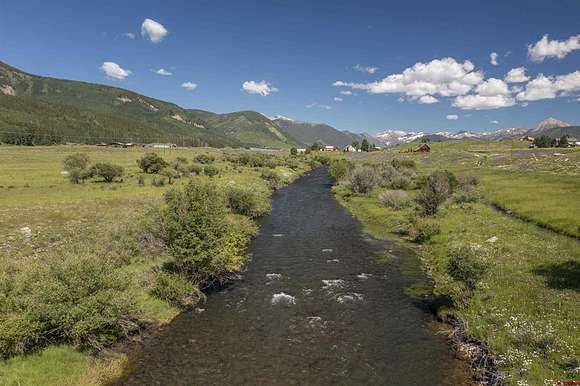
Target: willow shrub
77 299
248 200
207 244
340 168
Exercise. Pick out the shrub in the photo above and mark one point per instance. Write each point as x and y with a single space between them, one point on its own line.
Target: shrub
247 201
421 230
467 194
203 240
176 289
396 199
340 168
468 180
255 160
107 171
170 174
400 182
468 264
293 163
438 187
81 299
195 169
77 161
76 176
204 159
141 180
401 163
322 159
293 151
158 181
210 170
180 165
362 179
151 163
273 178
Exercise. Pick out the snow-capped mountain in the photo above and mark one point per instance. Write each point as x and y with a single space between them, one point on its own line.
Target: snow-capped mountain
549 123
394 137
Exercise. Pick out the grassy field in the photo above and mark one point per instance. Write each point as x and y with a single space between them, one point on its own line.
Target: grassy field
526 308
43 215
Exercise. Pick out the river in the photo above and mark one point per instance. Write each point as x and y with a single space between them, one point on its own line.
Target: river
316 306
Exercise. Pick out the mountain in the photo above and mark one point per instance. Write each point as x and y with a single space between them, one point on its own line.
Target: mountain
549 123
55 110
557 132
307 133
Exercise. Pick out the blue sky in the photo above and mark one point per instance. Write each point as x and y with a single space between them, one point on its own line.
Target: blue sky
301 48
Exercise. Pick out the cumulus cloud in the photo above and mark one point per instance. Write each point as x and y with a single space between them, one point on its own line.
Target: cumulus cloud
550 87
482 102
338 99
444 77
113 71
153 30
163 72
346 92
546 48
493 58
492 87
189 86
428 99
262 88
517 75
316 104
365 69
452 117
129 35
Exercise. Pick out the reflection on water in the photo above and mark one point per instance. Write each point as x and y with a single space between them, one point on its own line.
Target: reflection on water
315 307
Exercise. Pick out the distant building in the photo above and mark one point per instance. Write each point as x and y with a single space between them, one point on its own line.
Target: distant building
350 149
573 142
424 148
161 145
301 151
329 148
527 138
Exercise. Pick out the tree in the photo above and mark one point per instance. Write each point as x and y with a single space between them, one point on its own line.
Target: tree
76 161
355 144
151 163
315 146
544 141
293 151
107 171
365 146
564 141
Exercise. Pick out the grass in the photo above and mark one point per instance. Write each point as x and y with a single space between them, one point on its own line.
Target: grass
93 216
526 309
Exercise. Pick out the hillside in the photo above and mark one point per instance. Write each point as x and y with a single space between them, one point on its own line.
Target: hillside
46 110
557 132
308 133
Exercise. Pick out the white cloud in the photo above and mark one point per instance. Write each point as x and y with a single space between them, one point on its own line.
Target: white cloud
492 87
546 48
445 77
153 30
163 72
481 102
189 86
428 99
346 92
129 35
493 58
517 75
452 117
365 69
262 88
114 71
316 104
494 122
338 99
550 87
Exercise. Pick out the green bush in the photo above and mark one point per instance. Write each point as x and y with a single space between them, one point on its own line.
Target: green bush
322 159
340 168
170 174
293 151
176 289
151 163
468 264
274 179
75 299
400 182
255 160
437 188
158 181
107 171
396 199
181 166
210 170
421 230
195 169
204 159
362 179
466 194
76 161
77 176
401 163
247 201
200 235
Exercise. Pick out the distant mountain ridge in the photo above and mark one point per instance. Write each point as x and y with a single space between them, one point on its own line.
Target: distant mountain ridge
307 133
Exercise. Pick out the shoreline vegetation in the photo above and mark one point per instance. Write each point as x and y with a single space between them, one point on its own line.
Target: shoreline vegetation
100 246
508 289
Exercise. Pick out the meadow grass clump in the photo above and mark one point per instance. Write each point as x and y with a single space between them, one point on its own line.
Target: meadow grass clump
204 159
151 163
77 299
194 169
210 170
340 168
396 199
158 181
273 178
468 264
362 179
248 201
421 230
400 182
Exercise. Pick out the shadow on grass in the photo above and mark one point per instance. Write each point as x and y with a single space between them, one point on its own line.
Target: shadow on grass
564 275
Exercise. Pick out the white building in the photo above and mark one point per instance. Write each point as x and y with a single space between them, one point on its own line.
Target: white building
329 148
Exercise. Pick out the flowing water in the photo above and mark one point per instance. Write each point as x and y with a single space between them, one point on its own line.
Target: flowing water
315 307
